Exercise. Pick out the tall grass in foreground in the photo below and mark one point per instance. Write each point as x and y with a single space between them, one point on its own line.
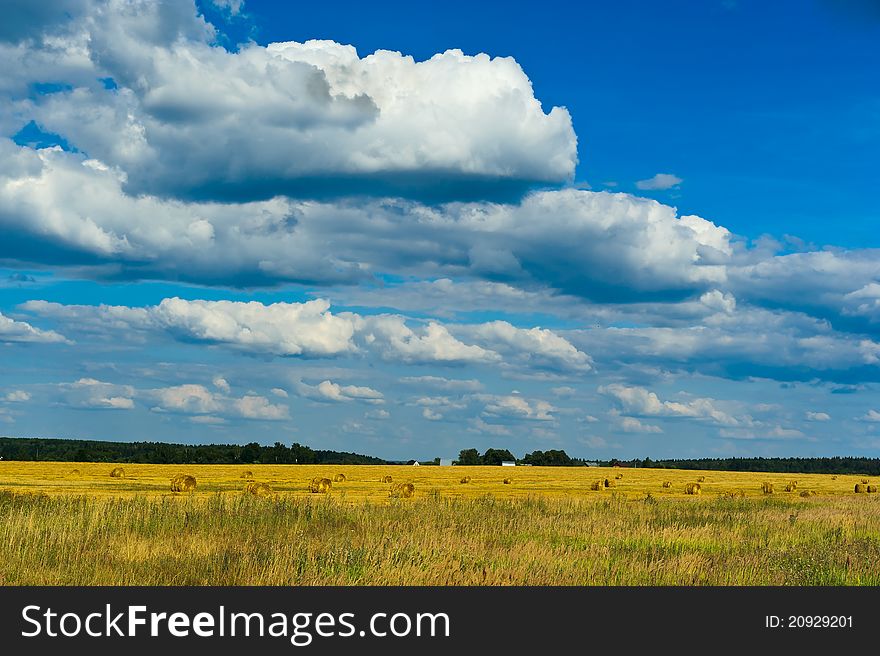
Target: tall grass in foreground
237 540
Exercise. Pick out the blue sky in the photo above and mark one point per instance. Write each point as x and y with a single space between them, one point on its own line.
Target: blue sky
622 229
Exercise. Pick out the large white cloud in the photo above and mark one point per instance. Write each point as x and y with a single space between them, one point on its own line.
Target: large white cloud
57 207
300 118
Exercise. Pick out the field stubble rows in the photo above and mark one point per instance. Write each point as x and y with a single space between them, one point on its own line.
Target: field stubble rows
546 527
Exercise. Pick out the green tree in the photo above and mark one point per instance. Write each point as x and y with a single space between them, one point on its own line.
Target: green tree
497 456
469 457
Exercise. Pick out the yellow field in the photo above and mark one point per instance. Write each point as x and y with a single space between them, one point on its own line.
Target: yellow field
547 527
363 482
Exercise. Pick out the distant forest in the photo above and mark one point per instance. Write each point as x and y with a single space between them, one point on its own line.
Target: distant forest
32 449
175 454
836 465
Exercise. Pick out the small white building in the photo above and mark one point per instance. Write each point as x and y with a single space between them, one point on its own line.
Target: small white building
446 462
415 463
508 463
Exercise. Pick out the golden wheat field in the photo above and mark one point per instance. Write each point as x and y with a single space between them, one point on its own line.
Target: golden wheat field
365 482
75 524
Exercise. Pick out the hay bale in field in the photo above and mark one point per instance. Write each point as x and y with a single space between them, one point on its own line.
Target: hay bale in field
387 479
767 488
701 479
834 478
872 488
598 485
261 490
619 476
693 488
667 484
465 479
861 488
117 472
339 478
183 483
74 472
320 485
865 481
809 493
402 490
790 488
610 482
734 494
507 481
248 475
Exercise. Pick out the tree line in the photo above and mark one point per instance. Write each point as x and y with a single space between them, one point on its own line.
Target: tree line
175 454
829 465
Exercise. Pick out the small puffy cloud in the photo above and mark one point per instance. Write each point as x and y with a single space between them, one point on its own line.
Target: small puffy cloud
514 406
208 419
259 407
642 402
431 415
477 425
378 414
538 347
194 399
96 394
817 416
189 398
770 433
280 393
280 328
871 416
659 182
392 339
564 391
439 382
220 383
633 425
333 392
17 396
12 331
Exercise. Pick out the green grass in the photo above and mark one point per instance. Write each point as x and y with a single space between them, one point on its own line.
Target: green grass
239 540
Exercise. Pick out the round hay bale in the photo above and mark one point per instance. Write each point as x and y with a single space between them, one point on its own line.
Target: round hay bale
74 472
865 481
693 488
261 490
387 479
248 475
339 478
701 479
872 489
183 483
610 482
117 472
834 478
667 484
861 488
402 490
598 485
767 488
809 493
465 479
734 494
320 485
618 477
507 481
790 488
